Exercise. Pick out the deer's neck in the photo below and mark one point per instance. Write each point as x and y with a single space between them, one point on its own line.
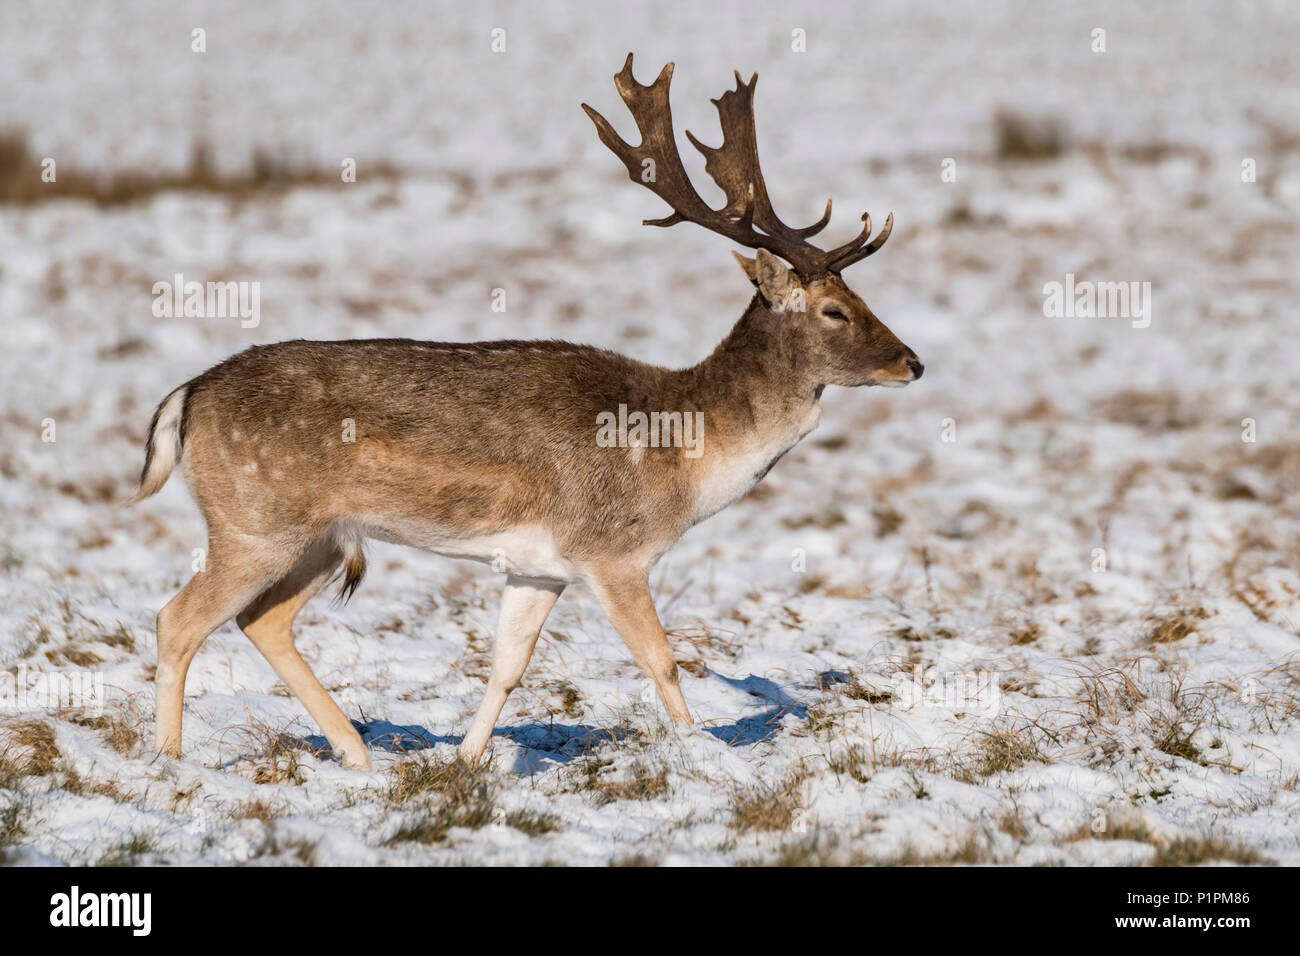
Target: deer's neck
755 380
758 402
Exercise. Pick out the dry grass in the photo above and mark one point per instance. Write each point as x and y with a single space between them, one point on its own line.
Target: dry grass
1171 626
1028 138
127 852
972 849
1265 606
11 773
530 823
823 849
643 782
1002 751
31 751
1193 851
277 756
817 849
421 775
1026 634
1177 718
1174 737
1012 822
764 808
856 689
77 656
1283 703
21 183
121 731
570 698
854 762
258 809
1155 411
695 643
465 797
120 636
822 716
13 824
928 632
1180 851
1108 693
464 803
1132 828
825 519
296 848
73 782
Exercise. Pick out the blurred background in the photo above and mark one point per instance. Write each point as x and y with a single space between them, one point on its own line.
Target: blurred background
1164 149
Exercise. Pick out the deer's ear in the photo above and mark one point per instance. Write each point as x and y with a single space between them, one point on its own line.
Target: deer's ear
747 266
772 277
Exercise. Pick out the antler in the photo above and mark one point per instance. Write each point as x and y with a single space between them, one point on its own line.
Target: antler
657 165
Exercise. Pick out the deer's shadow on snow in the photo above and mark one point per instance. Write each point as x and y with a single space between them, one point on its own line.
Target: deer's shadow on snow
561 743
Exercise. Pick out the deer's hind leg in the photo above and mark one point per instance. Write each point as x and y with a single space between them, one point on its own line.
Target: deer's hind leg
237 570
268 622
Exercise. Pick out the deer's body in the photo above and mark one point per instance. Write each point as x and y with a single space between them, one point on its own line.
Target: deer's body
298 452
526 487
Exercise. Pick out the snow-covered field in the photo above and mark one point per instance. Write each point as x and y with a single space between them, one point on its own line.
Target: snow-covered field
1040 607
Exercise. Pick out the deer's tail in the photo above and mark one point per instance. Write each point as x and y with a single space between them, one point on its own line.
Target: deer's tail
163 449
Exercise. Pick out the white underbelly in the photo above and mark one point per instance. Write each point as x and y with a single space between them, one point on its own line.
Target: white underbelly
527 551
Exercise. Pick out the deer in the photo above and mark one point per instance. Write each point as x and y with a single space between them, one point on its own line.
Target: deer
488 451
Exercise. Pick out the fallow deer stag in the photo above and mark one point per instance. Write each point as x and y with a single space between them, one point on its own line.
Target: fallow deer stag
490 451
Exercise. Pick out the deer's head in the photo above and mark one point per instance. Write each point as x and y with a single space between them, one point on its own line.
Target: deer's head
840 340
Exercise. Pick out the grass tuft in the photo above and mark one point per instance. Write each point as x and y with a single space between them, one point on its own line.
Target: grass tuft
766 808
32 752
128 852
465 797
13 824
643 783
1192 851
1001 751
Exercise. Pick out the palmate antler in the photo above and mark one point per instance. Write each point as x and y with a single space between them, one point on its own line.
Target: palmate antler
657 165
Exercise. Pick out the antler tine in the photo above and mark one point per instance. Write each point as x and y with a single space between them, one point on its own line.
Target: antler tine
735 167
838 262
853 244
818 226
664 175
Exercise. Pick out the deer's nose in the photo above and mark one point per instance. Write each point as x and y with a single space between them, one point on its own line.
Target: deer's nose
917 368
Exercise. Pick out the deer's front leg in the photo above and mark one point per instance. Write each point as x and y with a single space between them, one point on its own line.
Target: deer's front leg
524 606
625 595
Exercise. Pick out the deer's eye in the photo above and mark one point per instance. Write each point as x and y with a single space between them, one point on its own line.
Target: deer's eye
834 312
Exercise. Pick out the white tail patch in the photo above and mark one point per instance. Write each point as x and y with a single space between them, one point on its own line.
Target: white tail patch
163 449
